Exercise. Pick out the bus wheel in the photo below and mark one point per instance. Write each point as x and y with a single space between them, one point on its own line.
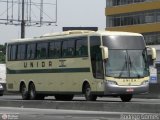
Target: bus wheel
32 91
88 95
126 98
24 92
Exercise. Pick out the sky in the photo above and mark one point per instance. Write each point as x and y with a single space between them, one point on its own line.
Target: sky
71 13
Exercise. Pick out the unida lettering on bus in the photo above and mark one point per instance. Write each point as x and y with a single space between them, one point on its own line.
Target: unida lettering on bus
37 64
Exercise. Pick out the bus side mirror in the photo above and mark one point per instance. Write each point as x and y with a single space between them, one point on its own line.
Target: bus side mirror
104 52
154 53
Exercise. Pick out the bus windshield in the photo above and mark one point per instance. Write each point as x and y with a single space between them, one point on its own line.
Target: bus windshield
127 56
127 63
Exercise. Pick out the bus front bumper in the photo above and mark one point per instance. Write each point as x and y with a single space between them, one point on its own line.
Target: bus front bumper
116 89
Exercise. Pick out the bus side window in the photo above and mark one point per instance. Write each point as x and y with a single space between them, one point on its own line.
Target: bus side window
42 50
68 48
9 52
13 52
51 49
81 47
31 50
57 49
96 57
21 52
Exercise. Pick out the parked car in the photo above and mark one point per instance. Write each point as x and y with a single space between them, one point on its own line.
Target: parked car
1 90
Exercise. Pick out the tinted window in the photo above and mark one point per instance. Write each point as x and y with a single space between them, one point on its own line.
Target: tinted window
31 51
96 57
13 52
57 49
9 52
68 48
21 52
51 49
81 47
42 50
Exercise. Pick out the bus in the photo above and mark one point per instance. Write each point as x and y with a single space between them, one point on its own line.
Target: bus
91 63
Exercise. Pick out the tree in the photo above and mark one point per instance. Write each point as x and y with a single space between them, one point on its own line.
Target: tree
2 53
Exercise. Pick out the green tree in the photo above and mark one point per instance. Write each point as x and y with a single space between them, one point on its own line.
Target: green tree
2 53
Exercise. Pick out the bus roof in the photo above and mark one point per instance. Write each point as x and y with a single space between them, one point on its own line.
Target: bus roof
75 33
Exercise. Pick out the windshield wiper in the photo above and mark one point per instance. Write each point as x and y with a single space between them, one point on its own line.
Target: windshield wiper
133 66
124 66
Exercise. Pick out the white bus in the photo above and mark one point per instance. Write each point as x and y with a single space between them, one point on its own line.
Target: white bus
92 63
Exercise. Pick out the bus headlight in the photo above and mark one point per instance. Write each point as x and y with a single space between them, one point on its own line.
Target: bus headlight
145 82
111 82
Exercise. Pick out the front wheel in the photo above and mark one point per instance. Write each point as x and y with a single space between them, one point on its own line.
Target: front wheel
126 98
88 95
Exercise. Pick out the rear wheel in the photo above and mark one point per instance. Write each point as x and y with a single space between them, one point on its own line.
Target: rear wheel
24 92
126 98
88 95
32 91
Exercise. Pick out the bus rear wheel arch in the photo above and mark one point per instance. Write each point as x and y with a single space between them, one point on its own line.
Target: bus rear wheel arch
24 92
88 93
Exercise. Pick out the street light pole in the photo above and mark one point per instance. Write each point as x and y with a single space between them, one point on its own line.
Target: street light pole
23 22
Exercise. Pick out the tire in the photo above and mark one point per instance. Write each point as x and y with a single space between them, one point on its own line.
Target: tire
64 97
24 92
126 98
88 95
32 92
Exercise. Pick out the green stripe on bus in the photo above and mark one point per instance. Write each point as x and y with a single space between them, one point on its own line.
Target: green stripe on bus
62 70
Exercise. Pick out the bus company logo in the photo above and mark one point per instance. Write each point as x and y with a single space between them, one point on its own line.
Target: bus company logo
129 80
62 63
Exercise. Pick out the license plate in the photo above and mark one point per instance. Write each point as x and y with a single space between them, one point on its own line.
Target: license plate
130 90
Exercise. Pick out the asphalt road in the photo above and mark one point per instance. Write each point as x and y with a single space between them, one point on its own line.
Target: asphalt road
106 107
99 99
8 113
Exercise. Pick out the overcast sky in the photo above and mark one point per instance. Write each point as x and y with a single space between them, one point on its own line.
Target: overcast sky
71 13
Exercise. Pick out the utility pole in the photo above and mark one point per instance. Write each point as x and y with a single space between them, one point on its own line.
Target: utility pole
23 22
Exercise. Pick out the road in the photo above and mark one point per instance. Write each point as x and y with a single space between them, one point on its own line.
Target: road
53 114
99 99
13 107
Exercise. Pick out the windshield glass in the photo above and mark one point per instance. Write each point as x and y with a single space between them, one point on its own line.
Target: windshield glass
127 63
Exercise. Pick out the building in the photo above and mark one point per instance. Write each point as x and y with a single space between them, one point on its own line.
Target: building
142 16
